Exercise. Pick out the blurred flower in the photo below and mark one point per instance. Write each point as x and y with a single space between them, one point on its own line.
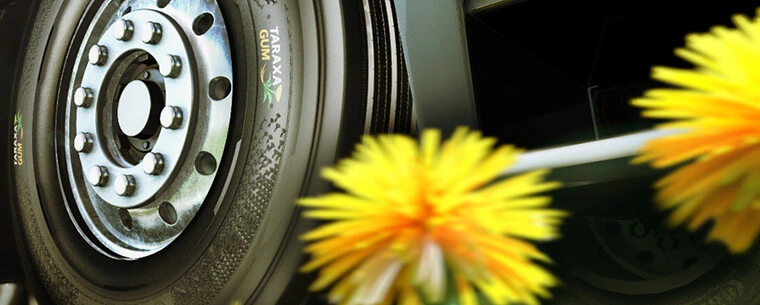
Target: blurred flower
718 107
410 215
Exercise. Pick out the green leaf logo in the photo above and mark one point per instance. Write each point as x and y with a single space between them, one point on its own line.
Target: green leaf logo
271 94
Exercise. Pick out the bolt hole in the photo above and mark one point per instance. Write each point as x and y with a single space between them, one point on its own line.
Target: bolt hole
168 213
126 219
162 3
219 88
645 257
613 227
202 23
688 262
205 163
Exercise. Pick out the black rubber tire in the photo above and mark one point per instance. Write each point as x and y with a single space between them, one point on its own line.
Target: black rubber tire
14 16
242 246
732 281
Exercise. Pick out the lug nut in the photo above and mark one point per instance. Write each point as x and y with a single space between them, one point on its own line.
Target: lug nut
98 176
151 33
98 55
83 142
83 97
667 243
124 185
123 29
153 163
638 229
170 66
171 117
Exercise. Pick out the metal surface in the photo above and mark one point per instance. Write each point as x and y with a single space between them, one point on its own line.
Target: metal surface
135 170
151 33
153 163
136 104
7 291
83 97
123 30
171 117
98 55
170 66
98 176
98 119
83 142
124 185
13 294
437 60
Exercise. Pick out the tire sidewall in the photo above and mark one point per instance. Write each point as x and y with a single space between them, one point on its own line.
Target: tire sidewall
271 160
731 282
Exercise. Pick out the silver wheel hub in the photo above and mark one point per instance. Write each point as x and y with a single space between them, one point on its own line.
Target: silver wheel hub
144 135
138 105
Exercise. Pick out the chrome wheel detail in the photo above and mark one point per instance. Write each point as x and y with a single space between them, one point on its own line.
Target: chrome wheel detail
151 33
124 185
83 142
83 97
123 30
137 107
98 176
153 164
171 117
159 131
170 66
98 55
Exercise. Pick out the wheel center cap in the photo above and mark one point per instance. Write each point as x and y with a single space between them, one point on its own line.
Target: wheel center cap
139 107
141 180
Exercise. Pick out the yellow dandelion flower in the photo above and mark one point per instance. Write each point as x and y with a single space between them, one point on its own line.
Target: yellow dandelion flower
410 214
717 105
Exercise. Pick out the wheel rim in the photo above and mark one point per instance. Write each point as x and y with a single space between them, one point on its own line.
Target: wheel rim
651 261
146 122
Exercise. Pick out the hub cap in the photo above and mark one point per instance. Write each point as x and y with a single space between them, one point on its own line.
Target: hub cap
138 109
143 134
